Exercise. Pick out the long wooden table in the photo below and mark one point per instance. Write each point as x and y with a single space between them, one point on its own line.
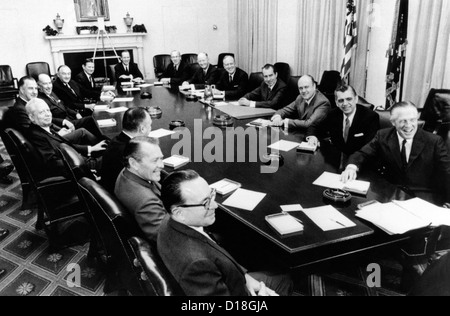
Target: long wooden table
247 232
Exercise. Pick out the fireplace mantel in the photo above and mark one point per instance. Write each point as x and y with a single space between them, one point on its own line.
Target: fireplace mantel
87 43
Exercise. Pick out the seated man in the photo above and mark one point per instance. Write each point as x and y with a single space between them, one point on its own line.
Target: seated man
176 73
85 77
47 139
200 265
126 70
311 107
136 122
234 81
75 96
138 187
412 157
63 116
270 94
206 75
350 126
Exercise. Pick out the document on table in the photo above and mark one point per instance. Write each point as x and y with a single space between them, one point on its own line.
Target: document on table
160 133
235 103
333 181
116 100
328 218
291 208
216 104
117 110
438 216
284 145
107 123
131 89
100 108
245 199
145 85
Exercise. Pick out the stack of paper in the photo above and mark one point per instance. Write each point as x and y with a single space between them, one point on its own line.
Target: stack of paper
328 218
284 145
225 186
117 110
304 146
116 100
160 133
107 123
245 199
284 224
333 181
176 161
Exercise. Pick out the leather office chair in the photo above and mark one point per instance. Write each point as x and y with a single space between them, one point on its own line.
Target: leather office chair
155 278
9 86
189 58
436 109
283 70
385 117
292 90
56 197
220 59
113 226
328 84
255 80
36 68
160 63
112 74
365 103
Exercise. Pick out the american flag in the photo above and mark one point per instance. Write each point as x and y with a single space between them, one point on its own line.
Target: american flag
350 38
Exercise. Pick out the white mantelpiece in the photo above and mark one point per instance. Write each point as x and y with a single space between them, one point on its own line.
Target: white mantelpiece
83 43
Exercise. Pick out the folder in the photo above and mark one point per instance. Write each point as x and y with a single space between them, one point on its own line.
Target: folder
284 224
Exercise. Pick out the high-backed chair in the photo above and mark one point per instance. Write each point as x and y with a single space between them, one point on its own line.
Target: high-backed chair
385 117
112 74
189 58
57 198
365 103
283 70
36 68
328 84
220 59
113 226
155 278
292 90
436 109
9 87
255 80
160 63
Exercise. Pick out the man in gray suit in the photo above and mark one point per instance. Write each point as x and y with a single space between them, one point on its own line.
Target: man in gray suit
311 107
137 186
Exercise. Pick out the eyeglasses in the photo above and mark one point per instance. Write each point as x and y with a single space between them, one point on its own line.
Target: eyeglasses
206 204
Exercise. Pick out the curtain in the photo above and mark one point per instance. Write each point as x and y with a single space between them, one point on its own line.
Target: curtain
253 25
428 52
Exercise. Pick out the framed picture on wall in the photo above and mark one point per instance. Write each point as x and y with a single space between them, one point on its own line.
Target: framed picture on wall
91 10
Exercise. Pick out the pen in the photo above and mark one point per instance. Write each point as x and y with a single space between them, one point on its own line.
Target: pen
333 220
286 213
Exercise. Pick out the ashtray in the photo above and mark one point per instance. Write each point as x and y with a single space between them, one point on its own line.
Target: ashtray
175 124
146 95
191 98
337 195
223 120
154 111
272 159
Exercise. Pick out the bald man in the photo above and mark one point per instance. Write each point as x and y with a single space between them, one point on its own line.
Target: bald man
206 75
176 73
311 107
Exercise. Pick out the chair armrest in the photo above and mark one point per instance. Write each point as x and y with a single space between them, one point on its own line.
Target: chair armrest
50 182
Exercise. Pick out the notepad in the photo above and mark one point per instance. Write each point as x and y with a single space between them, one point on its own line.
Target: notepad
145 85
284 224
245 199
333 181
116 100
284 145
131 89
101 108
160 133
117 110
292 208
107 123
225 186
328 218
176 161
108 88
127 83
305 146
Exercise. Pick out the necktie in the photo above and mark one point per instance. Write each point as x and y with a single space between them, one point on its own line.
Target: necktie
92 81
70 88
231 78
126 70
346 129
403 154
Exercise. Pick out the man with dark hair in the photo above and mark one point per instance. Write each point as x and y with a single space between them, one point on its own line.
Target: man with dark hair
137 186
198 263
270 94
233 81
126 70
310 107
136 122
350 126
85 77
176 72
207 74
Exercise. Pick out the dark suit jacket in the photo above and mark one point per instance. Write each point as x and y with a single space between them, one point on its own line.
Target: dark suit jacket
200 79
177 77
70 100
436 279
112 163
143 200
365 125
428 166
47 146
268 99
59 110
200 266
133 70
303 115
83 80
236 89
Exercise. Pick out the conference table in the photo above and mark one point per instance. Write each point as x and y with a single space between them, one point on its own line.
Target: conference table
246 233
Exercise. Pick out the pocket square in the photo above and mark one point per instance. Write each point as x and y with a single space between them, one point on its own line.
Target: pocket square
359 135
